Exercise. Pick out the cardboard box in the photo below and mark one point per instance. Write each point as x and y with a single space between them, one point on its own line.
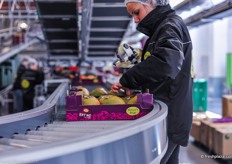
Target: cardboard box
196 130
211 128
76 111
204 132
207 132
223 141
227 105
196 125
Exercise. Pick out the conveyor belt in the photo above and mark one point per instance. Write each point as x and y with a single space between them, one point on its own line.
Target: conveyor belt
89 142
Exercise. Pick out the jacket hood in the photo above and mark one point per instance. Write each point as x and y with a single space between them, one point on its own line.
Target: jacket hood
153 19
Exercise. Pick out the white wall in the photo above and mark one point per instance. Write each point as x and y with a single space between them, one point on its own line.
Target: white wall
220 48
211 43
210 46
202 48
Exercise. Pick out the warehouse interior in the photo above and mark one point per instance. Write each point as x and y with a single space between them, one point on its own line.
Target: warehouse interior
73 43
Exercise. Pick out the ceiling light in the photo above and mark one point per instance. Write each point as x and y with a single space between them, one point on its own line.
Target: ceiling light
174 3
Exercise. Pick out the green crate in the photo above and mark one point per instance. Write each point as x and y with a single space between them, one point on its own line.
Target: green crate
200 95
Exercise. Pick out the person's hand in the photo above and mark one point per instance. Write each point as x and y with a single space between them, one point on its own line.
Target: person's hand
117 86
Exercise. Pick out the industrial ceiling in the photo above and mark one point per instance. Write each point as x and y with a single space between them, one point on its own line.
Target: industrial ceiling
88 29
101 28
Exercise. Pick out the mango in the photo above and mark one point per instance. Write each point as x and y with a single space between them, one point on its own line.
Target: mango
90 100
103 97
111 100
98 92
83 89
132 100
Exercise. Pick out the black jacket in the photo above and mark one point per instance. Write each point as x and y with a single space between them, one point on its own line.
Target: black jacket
165 69
27 79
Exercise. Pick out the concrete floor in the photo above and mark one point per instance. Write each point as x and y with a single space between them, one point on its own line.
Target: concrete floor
194 153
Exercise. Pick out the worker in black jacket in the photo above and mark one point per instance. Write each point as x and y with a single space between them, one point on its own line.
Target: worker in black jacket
165 68
26 80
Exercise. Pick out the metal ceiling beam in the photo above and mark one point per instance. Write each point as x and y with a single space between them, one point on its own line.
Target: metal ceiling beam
94 58
188 4
63 58
109 5
212 14
61 41
15 50
101 52
107 30
63 50
57 16
60 30
19 17
104 39
110 18
85 25
103 46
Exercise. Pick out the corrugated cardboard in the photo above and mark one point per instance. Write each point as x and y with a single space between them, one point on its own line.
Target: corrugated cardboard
204 132
211 128
227 105
207 132
196 130
223 141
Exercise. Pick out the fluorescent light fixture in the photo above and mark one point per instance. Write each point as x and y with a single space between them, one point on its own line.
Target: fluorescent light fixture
215 2
174 3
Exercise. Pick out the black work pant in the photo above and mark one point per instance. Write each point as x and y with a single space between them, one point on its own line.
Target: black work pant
172 154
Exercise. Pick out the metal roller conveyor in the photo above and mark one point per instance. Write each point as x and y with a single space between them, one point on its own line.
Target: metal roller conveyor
18 143
88 123
6 148
57 133
74 129
46 141
83 126
36 138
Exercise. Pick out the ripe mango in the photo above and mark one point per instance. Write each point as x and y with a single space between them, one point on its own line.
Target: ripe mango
98 92
111 100
90 100
84 90
132 100
103 97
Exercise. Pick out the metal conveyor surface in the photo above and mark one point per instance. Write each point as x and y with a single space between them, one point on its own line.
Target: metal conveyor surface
89 142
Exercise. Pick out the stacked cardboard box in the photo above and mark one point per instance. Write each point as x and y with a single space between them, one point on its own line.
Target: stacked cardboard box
223 142
198 117
195 131
207 133
227 106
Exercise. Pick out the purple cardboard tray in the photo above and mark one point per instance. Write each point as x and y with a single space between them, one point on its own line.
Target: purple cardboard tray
75 111
222 120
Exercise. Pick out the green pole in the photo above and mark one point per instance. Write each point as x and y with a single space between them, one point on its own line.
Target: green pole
229 71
